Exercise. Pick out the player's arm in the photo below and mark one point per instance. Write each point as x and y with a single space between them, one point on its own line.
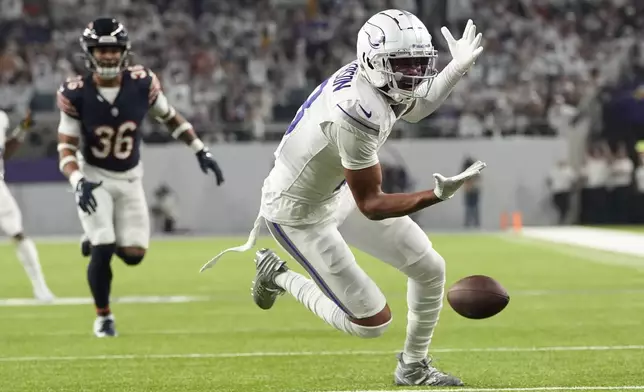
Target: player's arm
439 90
69 131
69 134
181 129
359 156
365 184
16 136
464 53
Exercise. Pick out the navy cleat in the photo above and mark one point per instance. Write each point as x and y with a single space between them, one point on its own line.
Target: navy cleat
265 291
104 326
423 374
86 246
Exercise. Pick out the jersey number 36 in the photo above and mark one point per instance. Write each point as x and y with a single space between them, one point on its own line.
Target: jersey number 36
114 142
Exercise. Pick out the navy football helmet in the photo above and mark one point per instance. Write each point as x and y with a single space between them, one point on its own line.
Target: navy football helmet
105 33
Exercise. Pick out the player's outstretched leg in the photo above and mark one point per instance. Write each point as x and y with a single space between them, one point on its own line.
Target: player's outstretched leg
99 277
424 299
273 278
28 256
425 287
402 244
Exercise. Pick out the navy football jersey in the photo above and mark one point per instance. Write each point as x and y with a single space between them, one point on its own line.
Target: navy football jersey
110 136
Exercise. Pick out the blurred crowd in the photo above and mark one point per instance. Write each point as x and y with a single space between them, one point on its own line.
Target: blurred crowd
611 183
234 68
542 58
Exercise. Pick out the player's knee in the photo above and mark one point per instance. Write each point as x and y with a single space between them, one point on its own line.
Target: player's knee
131 255
374 326
102 253
371 332
19 237
102 236
132 260
430 267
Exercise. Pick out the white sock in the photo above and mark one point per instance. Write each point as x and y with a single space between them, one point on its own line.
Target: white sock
307 293
28 256
425 301
425 288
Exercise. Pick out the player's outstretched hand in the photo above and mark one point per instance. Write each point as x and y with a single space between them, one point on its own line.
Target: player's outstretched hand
447 186
466 50
207 162
85 197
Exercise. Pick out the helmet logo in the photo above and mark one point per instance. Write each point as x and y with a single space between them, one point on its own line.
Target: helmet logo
375 42
107 39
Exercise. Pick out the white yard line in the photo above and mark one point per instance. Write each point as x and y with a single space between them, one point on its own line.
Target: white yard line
315 353
623 242
142 299
160 299
578 251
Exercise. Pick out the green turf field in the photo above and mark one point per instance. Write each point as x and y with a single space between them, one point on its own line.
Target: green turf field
571 322
632 228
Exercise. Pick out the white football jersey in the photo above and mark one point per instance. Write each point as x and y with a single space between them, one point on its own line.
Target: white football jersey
342 124
4 127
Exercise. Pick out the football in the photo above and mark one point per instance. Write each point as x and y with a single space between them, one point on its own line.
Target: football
477 297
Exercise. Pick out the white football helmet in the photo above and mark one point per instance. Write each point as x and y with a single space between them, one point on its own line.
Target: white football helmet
396 54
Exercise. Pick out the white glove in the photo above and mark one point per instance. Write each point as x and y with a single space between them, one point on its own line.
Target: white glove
466 50
446 187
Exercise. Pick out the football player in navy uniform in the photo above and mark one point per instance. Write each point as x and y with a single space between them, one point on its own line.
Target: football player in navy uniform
99 148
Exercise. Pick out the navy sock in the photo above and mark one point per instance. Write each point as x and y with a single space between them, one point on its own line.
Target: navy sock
99 276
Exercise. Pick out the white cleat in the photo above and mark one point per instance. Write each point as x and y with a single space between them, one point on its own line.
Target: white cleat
265 291
423 374
104 326
44 295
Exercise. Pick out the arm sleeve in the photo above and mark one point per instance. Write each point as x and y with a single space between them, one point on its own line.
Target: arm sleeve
358 150
155 88
160 107
439 90
68 125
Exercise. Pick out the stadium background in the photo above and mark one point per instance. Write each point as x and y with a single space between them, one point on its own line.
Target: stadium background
556 78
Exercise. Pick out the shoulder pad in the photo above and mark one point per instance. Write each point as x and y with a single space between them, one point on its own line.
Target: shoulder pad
147 78
358 115
69 94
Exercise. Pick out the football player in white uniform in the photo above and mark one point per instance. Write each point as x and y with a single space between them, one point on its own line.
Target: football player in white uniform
10 216
327 181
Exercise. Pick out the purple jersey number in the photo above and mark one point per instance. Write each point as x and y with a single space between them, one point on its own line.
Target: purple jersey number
307 104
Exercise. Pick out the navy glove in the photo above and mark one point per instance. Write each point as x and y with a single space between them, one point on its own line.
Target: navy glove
206 162
84 196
